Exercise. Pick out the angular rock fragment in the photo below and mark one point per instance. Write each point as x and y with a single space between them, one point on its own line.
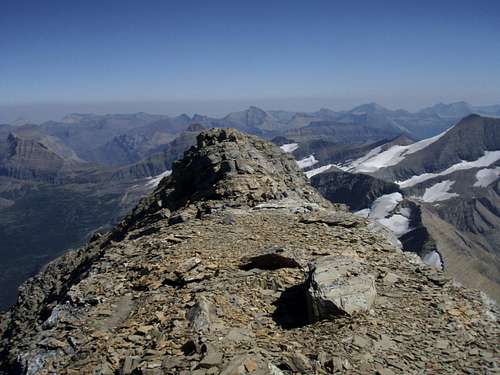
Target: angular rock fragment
333 219
298 363
201 315
338 285
129 364
250 364
213 358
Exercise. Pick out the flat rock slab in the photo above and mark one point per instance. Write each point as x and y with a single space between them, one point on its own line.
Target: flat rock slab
338 285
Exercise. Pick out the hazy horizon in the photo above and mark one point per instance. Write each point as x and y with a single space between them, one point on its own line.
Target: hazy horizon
41 112
221 56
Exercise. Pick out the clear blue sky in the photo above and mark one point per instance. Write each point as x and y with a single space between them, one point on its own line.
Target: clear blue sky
399 53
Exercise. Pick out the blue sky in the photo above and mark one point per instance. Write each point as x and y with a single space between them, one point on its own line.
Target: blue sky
289 53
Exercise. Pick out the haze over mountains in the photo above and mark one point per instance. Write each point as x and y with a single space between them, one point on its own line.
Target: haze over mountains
62 180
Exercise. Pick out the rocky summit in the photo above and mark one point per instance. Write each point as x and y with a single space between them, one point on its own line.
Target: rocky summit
236 265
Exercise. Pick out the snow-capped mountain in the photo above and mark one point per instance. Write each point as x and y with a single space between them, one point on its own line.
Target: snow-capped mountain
448 207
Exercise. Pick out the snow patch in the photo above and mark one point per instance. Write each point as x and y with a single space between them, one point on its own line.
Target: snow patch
352 165
363 213
486 176
433 259
376 159
314 172
382 211
307 162
155 180
398 224
439 192
487 159
384 205
289 147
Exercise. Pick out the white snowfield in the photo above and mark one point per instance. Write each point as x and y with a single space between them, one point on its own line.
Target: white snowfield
155 180
439 192
486 160
376 159
314 172
384 205
397 223
382 211
485 177
307 162
433 259
289 147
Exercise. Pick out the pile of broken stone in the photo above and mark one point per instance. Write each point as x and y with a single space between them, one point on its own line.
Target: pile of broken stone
205 281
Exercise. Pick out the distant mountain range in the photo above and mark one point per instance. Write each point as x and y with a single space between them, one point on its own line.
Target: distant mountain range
122 139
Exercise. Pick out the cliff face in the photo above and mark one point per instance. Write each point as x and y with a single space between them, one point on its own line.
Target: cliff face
235 265
358 191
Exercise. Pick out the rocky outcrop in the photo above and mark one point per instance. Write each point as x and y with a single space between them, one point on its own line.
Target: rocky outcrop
339 285
208 276
225 169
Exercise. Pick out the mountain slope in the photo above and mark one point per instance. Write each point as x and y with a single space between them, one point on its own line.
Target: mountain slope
38 157
358 191
207 276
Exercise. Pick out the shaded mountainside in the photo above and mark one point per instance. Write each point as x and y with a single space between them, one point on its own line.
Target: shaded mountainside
358 191
466 255
39 158
86 133
236 265
39 221
50 200
161 159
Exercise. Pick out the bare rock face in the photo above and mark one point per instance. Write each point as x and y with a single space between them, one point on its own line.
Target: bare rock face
229 165
207 276
339 285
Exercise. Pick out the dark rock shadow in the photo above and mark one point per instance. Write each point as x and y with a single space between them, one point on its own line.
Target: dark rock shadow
270 262
291 311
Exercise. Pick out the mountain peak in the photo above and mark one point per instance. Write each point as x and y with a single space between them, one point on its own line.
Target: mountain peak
228 168
369 108
232 166
453 110
253 108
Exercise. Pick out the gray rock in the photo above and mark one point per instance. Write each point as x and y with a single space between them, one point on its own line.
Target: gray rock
240 335
298 362
211 359
338 285
129 364
201 315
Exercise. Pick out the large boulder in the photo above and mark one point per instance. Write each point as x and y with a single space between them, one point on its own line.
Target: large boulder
338 285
